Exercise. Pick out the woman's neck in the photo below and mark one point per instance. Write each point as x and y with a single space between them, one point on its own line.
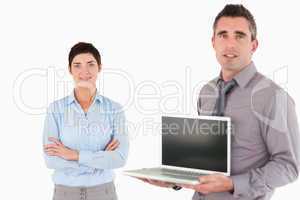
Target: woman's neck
85 97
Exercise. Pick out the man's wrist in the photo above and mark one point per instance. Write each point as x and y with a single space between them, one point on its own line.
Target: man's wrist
230 187
175 187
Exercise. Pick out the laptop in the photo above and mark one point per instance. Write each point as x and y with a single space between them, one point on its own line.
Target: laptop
190 147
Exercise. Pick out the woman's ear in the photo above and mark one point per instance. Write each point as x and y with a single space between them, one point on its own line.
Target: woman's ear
70 70
100 68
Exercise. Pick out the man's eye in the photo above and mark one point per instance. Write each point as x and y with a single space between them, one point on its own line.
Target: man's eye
223 36
239 36
76 66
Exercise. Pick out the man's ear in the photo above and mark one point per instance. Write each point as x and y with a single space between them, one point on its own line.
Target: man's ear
100 68
254 45
213 41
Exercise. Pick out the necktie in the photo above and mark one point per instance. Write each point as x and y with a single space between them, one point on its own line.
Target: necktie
224 89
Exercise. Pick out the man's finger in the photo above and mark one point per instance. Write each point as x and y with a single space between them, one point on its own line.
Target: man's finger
152 181
143 179
186 186
157 182
206 179
204 187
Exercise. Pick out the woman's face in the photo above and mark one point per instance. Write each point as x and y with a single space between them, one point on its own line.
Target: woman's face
84 69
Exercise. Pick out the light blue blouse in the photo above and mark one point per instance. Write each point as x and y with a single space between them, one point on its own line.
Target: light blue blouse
88 133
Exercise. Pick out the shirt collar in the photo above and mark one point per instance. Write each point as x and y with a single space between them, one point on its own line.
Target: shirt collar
72 99
244 76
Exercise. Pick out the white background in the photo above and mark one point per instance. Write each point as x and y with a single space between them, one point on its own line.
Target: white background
156 55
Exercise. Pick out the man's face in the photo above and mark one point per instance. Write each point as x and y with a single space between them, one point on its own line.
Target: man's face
232 43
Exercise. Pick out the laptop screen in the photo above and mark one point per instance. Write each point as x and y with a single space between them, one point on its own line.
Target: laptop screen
195 143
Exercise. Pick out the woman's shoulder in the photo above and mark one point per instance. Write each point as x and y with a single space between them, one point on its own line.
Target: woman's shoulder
59 105
109 103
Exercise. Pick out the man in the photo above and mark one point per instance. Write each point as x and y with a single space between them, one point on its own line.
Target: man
265 136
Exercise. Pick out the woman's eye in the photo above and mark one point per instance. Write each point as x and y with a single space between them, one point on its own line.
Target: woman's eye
76 66
92 65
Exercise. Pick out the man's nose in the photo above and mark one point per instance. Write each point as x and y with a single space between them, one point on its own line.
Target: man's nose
231 42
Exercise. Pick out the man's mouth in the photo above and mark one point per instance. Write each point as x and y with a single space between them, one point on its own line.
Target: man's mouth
230 55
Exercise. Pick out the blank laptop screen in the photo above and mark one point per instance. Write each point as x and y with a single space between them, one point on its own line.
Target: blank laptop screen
194 143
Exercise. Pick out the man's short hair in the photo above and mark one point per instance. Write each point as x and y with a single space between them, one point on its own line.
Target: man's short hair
237 10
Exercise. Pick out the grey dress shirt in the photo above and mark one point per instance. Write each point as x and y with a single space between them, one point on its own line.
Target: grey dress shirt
265 135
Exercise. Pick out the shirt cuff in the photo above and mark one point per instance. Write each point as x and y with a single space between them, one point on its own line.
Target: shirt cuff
85 157
240 185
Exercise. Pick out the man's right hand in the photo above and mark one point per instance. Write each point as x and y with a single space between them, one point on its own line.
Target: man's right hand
157 183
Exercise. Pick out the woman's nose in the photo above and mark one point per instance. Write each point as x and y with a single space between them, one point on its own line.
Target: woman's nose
85 70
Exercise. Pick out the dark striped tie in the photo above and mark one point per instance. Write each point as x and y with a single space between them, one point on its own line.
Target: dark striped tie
224 89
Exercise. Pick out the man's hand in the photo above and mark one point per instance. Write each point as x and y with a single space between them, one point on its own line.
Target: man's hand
60 150
157 183
212 183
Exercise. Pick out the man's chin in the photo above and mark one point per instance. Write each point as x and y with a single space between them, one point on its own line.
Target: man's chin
231 66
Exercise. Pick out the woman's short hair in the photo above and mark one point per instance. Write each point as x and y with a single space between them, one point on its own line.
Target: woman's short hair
83 47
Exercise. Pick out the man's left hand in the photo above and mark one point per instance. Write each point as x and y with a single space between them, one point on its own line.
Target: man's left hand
212 183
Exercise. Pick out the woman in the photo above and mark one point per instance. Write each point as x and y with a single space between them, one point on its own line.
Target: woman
85 136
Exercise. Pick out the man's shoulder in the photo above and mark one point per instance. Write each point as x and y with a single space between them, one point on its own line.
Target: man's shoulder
265 93
266 87
209 87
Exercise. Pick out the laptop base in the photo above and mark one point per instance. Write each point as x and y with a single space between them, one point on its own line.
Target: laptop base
166 175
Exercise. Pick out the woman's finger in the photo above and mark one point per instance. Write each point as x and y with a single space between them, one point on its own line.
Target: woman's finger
114 146
52 153
107 146
56 149
110 144
52 145
56 141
